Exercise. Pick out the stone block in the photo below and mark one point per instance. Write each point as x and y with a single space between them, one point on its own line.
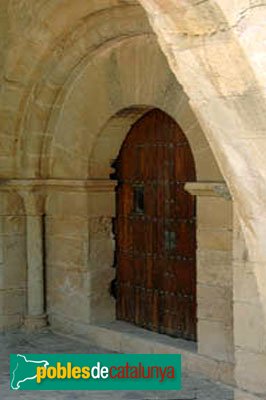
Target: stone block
11 203
13 302
6 170
249 327
213 369
214 268
246 286
67 204
214 212
216 257
215 340
13 270
101 204
13 276
207 168
101 252
250 371
100 279
67 252
68 293
67 227
215 239
215 304
10 322
100 227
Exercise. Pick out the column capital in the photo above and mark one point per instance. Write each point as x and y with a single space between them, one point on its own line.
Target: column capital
34 192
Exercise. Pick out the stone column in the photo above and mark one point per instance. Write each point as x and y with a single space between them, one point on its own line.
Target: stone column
36 317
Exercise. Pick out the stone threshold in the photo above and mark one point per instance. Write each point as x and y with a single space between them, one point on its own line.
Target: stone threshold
122 337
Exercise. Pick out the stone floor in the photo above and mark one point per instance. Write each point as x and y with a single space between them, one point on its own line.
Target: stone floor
194 387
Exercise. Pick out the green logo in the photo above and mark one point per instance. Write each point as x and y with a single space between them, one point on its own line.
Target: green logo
95 372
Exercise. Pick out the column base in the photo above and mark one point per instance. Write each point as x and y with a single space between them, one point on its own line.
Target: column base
35 322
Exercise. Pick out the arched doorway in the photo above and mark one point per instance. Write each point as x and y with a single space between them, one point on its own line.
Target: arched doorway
156 228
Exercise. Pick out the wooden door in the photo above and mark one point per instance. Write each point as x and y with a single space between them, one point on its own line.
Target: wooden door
155 228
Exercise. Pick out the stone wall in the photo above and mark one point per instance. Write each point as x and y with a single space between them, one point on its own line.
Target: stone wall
70 71
13 281
215 278
215 273
79 254
222 42
249 320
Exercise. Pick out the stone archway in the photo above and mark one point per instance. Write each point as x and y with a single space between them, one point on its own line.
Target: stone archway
81 201
45 83
70 149
214 238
